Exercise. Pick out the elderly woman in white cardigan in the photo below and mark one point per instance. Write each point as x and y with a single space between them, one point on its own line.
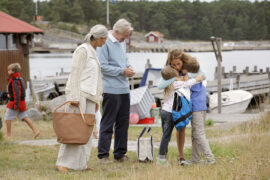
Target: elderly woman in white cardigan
84 88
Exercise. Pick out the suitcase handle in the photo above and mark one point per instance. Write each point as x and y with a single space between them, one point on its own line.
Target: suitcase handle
69 102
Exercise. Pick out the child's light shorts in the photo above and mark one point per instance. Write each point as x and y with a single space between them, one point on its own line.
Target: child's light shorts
11 114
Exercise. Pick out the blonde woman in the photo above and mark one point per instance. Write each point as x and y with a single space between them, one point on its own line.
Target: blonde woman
84 88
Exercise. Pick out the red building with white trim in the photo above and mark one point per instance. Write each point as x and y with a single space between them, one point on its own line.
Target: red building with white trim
154 37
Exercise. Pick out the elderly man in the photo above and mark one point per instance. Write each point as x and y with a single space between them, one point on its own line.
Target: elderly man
115 69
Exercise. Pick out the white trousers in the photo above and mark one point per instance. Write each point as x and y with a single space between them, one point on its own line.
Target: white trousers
76 156
98 119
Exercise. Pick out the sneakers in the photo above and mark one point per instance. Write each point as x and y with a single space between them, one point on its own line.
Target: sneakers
105 160
182 162
210 162
163 162
190 162
122 159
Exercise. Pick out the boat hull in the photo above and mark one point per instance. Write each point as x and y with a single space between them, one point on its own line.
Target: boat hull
239 107
235 101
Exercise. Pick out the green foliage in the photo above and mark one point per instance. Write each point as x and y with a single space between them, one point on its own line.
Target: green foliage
23 9
209 122
74 29
229 19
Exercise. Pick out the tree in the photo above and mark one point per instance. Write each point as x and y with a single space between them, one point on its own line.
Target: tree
205 30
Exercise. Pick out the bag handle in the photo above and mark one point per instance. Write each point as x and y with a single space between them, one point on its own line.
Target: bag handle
143 131
69 102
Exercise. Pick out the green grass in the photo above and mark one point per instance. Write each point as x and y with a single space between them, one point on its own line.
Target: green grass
240 158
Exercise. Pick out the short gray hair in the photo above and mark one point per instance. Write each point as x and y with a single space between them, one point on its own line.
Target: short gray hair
122 25
97 31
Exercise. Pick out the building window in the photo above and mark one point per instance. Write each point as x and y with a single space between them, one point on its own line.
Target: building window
3 42
8 42
12 42
151 38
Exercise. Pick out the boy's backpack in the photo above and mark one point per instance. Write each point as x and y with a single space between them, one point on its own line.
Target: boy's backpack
182 110
145 148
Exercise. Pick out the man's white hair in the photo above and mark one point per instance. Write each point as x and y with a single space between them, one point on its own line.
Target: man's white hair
97 31
122 25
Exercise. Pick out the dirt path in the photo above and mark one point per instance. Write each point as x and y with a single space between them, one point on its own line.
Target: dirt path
132 144
222 121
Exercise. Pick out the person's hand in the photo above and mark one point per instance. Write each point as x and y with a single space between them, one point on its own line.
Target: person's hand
75 103
179 78
185 78
97 107
199 78
129 72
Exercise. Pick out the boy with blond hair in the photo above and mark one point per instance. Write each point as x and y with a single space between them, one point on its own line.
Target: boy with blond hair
16 105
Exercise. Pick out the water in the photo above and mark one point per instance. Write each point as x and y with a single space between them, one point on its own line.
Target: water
42 65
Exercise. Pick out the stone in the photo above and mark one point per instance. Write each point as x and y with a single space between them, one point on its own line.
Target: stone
55 103
34 114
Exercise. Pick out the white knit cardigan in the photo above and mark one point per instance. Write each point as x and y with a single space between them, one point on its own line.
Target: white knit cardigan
85 78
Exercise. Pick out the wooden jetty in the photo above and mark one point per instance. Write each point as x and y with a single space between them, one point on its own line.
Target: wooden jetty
256 82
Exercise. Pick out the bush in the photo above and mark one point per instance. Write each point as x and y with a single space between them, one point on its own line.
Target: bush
209 122
74 29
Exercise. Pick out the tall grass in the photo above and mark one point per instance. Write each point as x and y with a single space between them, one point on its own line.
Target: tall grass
246 157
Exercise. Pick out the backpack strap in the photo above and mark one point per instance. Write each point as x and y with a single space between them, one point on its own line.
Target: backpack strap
183 118
177 95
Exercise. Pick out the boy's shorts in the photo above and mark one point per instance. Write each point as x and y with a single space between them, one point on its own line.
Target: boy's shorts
11 114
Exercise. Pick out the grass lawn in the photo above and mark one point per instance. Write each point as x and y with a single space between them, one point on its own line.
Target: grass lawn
240 158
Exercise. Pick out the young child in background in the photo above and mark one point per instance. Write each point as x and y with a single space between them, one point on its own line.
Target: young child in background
16 105
169 73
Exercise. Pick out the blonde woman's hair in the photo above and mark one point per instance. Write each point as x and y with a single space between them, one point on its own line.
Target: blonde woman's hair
15 67
174 54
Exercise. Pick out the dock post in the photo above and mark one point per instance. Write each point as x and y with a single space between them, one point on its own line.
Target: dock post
148 64
269 87
216 72
219 41
247 70
234 69
255 68
238 81
216 43
132 83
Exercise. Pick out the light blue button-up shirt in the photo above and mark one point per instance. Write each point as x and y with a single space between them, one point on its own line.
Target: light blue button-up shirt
113 60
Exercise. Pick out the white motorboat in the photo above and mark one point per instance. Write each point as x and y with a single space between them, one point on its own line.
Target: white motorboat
235 101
